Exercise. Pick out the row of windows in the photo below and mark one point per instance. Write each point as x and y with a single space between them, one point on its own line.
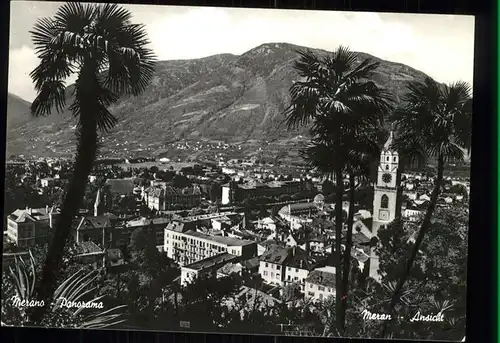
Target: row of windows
278 267
321 288
394 159
275 266
312 294
277 275
195 241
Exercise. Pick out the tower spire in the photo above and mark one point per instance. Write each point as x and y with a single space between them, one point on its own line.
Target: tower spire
388 143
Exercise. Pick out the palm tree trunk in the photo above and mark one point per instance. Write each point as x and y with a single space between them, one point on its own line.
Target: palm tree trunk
337 248
426 223
347 253
85 157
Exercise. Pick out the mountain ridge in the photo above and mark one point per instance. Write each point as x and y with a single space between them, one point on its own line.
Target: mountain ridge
223 97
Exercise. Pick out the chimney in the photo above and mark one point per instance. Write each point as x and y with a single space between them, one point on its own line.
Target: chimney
301 264
47 209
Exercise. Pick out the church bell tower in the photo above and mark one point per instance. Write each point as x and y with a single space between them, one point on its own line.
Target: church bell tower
386 188
385 197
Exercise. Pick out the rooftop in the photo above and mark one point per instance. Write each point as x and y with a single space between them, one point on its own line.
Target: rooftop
298 207
121 186
96 222
34 214
299 259
88 247
213 261
321 278
218 239
206 216
360 238
275 254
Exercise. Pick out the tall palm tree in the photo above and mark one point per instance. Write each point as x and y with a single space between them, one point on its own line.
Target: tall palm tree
435 123
336 96
109 54
364 152
363 155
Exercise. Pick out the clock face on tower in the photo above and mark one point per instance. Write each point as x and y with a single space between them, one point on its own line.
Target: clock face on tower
383 215
386 178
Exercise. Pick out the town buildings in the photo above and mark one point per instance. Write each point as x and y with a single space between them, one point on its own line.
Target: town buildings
254 189
163 198
31 226
189 246
320 285
286 265
205 267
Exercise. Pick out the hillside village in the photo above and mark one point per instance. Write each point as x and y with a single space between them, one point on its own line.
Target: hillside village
241 217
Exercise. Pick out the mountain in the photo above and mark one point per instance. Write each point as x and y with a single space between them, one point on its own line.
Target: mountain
220 98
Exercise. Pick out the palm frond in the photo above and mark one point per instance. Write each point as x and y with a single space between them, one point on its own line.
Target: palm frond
50 94
435 121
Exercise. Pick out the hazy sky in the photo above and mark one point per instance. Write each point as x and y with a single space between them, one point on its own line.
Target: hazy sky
442 46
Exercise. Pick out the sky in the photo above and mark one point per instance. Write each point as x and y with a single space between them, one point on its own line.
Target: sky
442 46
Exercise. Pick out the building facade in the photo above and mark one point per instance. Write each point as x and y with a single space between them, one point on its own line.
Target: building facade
29 227
385 198
386 188
187 247
320 285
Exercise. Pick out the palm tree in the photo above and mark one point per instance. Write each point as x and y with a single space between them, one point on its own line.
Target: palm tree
435 123
78 287
364 152
337 98
109 55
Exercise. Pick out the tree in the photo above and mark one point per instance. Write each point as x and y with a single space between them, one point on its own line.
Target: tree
434 123
215 192
437 282
327 187
207 295
338 99
109 55
364 152
19 284
180 181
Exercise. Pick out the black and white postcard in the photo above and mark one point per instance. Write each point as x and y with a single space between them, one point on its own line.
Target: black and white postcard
237 170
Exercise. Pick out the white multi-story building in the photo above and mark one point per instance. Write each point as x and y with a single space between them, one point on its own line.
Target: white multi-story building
281 266
412 214
272 265
192 246
320 285
29 227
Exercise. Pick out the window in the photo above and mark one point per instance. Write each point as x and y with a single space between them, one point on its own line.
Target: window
278 275
289 268
265 272
394 159
311 294
278 267
296 270
321 296
386 167
272 274
289 278
388 158
384 201
321 288
267 265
